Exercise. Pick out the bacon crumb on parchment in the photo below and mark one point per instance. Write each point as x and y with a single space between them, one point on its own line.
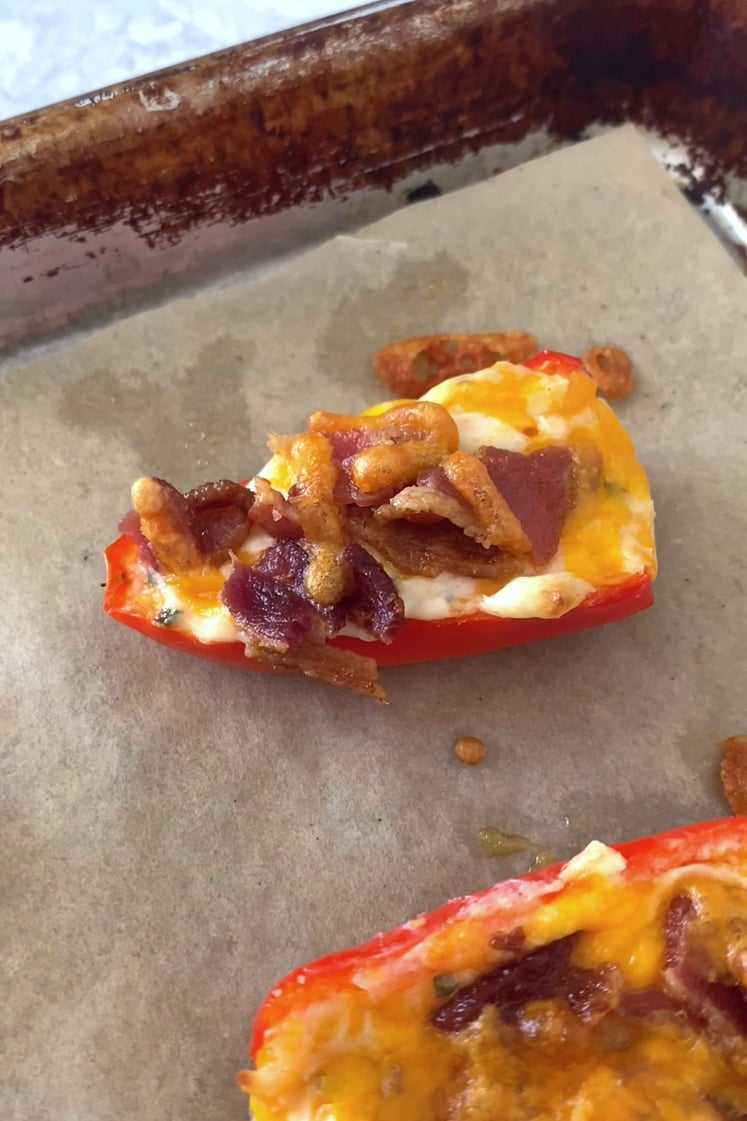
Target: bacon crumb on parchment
734 773
411 367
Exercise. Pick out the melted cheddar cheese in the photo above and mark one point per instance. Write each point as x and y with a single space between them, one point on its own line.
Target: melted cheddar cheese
607 536
368 1051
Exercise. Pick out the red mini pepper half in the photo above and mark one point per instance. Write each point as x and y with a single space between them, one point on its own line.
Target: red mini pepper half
330 1035
417 640
553 362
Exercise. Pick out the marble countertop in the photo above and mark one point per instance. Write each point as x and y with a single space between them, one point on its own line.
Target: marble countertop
50 51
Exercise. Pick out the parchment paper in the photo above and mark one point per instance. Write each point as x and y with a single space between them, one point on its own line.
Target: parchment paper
176 836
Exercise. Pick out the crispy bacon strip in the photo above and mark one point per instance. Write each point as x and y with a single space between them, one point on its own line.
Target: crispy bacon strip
192 530
544 974
325 663
540 488
498 523
414 366
461 491
431 500
429 550
734 773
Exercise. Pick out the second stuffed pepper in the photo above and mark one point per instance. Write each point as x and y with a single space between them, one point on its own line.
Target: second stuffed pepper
613 988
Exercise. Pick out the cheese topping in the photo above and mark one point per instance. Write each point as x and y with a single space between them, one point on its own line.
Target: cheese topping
607 535
595 860
537 597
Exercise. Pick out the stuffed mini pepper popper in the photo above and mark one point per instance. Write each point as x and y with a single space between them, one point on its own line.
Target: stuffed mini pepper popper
612 988
502 506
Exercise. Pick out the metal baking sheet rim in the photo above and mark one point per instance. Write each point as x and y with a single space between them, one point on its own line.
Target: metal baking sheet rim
270 240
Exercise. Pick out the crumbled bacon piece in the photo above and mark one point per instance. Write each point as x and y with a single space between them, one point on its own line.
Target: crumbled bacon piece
288 562
283 628
219 530
269 610
426 503
221 493
472 482
510 944
734 773
593 993
273 513
166 523
429 550
187 531
611 369
269 599
461 491
130 526
327 663
219 517
543 974
414 366
375 604
500 498
432 498
643 1003
541 490
711 996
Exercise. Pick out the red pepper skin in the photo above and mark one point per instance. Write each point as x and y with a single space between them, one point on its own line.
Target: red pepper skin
709 842
418 640
553 362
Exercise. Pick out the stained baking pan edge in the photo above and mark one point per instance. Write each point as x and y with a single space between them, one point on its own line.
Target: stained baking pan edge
216 168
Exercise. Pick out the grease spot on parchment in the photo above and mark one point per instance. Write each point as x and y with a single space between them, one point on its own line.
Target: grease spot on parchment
185 426
415 301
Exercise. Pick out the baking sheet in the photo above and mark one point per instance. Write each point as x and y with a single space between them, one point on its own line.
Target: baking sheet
176 836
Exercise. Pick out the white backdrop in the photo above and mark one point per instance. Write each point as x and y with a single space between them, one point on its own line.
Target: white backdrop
51 50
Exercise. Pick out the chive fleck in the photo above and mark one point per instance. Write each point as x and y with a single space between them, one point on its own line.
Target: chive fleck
167 616
444 984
